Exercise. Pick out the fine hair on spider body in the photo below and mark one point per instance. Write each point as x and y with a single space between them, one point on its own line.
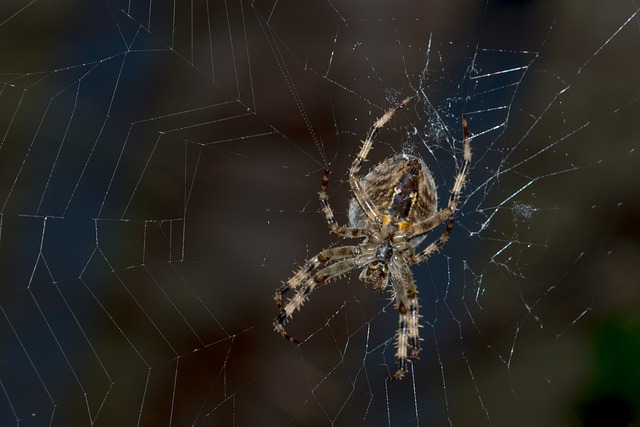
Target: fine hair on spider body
393 208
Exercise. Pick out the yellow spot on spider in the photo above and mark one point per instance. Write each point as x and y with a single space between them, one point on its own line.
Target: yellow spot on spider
402 225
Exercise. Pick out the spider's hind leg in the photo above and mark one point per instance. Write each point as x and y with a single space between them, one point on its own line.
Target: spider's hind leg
308 277
311 266
408 335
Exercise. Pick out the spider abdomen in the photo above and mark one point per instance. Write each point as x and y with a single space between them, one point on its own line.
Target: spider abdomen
402 189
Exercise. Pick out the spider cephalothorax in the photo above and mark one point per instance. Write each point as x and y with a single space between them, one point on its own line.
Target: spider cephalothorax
392 209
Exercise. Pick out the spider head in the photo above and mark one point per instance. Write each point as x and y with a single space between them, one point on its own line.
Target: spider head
376 274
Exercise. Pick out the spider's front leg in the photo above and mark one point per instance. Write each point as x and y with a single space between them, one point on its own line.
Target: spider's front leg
356 185
328 213
454 199
461 178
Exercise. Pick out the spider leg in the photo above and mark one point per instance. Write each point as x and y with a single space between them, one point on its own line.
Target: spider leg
408 335
454 199
328 214
461 178
311 266
434 246
356 185
306 286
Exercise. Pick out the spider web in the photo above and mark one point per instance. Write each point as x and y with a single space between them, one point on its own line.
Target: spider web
159 169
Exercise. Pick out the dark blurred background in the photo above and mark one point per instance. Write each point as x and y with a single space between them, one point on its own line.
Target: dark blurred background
159 169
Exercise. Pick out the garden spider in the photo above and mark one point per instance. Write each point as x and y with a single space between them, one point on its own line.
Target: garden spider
393 207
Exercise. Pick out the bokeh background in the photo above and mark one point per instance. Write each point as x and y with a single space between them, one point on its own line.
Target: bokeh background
159 169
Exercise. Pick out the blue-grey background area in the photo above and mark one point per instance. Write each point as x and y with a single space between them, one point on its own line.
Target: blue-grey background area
159 169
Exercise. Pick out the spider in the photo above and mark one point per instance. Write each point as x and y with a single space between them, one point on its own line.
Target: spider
392 209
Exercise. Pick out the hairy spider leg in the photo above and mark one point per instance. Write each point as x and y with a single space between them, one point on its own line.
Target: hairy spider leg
408 334
434 246
328 213
454 199
356 185
311 266
296 302
406 296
